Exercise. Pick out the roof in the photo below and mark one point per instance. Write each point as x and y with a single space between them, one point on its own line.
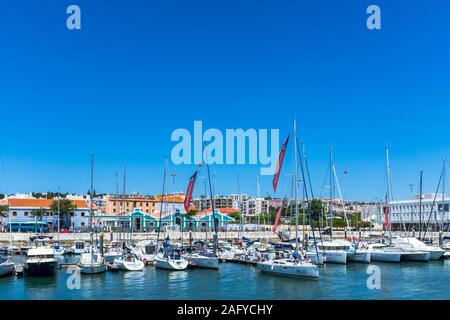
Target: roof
223 211
170 198
42 203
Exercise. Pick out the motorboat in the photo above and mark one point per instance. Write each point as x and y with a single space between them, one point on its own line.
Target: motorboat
114 252
171 259
409 253
129 262
41 261
146 251
435 252
59 249
6 266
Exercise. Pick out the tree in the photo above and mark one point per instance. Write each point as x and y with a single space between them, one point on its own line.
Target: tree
192 212
65 207
2 196
38 214
4 211
316 206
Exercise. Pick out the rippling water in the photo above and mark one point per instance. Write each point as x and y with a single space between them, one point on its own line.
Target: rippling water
233 281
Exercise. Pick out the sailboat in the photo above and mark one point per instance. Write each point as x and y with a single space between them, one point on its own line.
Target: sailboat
207 260
171 257
92 262
296 266
407 253
57 247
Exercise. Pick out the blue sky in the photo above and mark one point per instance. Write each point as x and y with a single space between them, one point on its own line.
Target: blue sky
140 69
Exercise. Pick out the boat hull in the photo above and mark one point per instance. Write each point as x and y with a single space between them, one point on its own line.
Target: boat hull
336 257
316 258
436 254
416 256
131 266
358 256
111 257
6 269
390 257
174 265
306 272
92 269
41 269
204 262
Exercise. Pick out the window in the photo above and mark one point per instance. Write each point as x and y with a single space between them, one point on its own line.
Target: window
114 210
72 214
25 214
82 214
82 224
14 214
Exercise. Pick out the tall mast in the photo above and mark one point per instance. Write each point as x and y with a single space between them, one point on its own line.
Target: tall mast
295 183
303 191
215 238
444 162
124 179
331 193
388 196
420 204
59 216
162 202
92 190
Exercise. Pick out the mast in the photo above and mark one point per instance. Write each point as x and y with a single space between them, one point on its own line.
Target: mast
124 179
444 162
92 190
420 204
303 193
388 196
215 238
330 209
295 183
162 202
59 216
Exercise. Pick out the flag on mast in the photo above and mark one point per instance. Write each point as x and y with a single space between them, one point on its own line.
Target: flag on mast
277 219
190 191
276 177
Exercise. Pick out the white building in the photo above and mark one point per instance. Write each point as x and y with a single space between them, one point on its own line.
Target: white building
434 212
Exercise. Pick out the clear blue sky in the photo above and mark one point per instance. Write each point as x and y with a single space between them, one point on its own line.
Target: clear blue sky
140 69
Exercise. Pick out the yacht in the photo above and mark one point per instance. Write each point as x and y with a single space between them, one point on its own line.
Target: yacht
114 252
171 259
334 251
382 253
358 253
6 266
59 249
146 251
41 261
435 252
290 268
203 260
129 262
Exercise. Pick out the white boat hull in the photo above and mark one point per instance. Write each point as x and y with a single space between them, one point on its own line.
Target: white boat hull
6 269
110 257
130 266
92 269
383 256
361 256
169 264
337 257
416 256
316 258
436 254
203 262
308 271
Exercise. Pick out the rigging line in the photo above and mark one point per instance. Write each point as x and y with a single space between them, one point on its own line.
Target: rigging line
307 199
432 206
4 175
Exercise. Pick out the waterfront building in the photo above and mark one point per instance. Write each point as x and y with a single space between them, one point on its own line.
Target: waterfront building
117 204
21 210
435 212
140 221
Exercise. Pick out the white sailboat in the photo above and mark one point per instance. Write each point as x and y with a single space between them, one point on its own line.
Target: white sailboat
202 260
171 259
114 252
296 266
146 251
129 262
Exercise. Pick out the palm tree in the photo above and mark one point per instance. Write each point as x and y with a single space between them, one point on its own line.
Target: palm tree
65 208
4 211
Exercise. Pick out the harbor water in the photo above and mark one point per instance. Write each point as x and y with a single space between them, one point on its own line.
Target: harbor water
427 281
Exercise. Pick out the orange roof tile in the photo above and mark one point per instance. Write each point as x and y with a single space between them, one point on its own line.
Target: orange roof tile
42 203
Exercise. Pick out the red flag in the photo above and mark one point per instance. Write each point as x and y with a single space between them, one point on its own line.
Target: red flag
279 164
386 213
277 219
190 191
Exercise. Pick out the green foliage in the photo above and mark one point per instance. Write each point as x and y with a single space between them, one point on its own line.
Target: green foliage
235 215
192 212
2 196
65 207
39 213
4 211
